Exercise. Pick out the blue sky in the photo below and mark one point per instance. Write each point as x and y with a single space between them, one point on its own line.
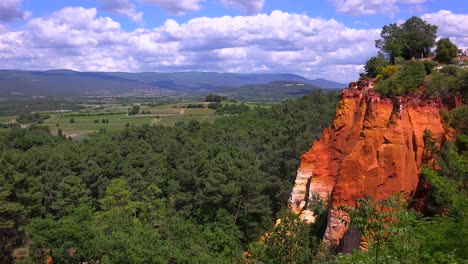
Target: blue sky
314 38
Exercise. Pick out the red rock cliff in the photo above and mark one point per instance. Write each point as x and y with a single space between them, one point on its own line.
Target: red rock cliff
374 147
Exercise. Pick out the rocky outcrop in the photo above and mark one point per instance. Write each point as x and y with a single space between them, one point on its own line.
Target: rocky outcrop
374 147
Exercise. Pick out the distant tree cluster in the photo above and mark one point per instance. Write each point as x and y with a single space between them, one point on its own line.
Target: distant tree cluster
15 107
103 121
229 108
8 125
195 106
134 110
30 118
92 114
215 98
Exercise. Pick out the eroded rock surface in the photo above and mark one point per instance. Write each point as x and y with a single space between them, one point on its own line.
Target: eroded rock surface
374 147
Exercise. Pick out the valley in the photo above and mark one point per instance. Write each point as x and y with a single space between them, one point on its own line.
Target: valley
204 132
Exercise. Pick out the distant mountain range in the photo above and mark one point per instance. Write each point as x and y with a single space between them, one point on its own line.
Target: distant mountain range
74 83
274 91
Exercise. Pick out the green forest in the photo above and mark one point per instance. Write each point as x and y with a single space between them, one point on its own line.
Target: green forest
211 192
192 193
207 193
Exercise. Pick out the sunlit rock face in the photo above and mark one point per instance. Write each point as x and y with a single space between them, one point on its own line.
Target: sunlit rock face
374 147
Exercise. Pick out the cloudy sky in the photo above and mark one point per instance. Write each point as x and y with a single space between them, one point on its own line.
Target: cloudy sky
331 39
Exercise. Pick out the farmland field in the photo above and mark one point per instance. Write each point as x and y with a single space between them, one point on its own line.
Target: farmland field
6 119
115 118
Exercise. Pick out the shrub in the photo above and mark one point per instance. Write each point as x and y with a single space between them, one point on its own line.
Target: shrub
440 85
406 80
429 66
451 70
462 84
459 119
215 106
375 65
388 71
454 61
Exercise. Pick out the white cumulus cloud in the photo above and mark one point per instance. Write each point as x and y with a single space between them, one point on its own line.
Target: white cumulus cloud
450 25
122 7
79 39
371 7
11 11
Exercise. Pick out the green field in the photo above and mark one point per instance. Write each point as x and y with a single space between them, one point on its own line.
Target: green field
90 119
118 118
6 119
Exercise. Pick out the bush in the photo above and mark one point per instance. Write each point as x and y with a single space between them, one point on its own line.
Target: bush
375 65
406 80
429 66
451 70
449 82
459 119
440 85
386 72
462 85
454 61
215 106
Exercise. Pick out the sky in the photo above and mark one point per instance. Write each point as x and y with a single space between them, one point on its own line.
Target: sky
329 39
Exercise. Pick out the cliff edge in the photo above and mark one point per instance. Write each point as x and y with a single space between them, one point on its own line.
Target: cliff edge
375 146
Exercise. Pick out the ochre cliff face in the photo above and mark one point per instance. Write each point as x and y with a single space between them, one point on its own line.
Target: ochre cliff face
374 147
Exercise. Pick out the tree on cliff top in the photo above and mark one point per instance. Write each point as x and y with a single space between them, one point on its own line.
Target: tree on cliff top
414 38
445 50
375 65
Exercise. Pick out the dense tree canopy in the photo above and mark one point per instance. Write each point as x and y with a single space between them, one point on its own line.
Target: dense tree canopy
206 193
194 193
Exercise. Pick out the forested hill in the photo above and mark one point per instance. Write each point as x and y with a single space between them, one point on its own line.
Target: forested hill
74 83
193 193
274 91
